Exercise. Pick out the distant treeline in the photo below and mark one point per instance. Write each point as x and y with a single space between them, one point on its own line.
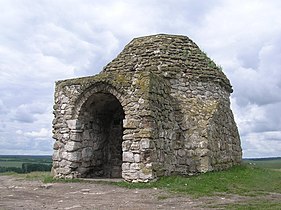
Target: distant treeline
263 159
27 167
27 158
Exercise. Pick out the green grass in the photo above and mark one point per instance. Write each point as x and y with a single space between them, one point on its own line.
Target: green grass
17 161
46 177
43 176
252 205
16 164
241 180
36 175
9 173
274 164
50 179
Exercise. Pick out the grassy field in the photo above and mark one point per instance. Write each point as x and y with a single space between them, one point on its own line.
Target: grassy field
18 160
273 163
23 164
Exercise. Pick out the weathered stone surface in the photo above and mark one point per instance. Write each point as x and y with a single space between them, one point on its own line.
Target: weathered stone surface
128 157
161 107
87 154
74 156
71 146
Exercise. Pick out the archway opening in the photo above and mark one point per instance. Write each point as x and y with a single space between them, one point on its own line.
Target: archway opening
102 116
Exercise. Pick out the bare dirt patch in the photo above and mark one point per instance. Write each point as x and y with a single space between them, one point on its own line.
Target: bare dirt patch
18 193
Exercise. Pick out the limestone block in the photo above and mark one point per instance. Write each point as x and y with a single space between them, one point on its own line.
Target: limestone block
65 136
181 152
82 170
130 175
63 171
57 145
64 99
71 146
202 152
182 169
135 166
129 136
137 158
75 137
145 144
161 133
190 162
190 145
64 163
126 145
145 133
74 156
63 154
95 145
145 112
204 164
86 135
131 123
128 157
63 106
77 131
125 166
56 164
86 164
56 155
71 124
87 154
64 130
135 146
146 173
172 135
181 161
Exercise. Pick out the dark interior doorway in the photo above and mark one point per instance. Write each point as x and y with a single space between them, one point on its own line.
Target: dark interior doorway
103 128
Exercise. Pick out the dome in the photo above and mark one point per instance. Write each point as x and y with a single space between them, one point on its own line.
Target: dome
169 55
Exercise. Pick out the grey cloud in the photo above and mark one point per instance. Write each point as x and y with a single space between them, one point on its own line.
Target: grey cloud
26 144
249 57
267 143
26 113
261 85
273 116
23 117
2 107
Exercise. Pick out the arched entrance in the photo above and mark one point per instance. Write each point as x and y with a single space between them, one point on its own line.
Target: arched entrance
102 118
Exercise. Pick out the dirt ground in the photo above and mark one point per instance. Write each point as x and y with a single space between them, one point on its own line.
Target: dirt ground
17 193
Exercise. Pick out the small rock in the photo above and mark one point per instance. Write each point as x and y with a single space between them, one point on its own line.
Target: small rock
46 186
85 190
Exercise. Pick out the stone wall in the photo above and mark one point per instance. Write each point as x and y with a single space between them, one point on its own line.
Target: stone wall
160 108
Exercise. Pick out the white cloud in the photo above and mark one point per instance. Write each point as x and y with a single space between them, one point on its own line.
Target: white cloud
266 143
42 133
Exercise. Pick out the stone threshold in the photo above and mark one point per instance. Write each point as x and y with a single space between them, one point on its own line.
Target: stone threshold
102 179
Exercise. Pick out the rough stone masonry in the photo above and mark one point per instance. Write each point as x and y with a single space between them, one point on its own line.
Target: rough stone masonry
160 108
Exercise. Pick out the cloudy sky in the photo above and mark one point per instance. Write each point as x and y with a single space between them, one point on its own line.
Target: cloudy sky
42 41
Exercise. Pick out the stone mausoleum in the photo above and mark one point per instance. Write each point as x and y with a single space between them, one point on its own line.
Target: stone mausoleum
160 108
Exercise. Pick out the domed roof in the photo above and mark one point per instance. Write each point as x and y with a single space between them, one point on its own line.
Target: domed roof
169 55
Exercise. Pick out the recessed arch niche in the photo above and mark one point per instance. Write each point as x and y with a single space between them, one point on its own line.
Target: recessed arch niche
101 117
